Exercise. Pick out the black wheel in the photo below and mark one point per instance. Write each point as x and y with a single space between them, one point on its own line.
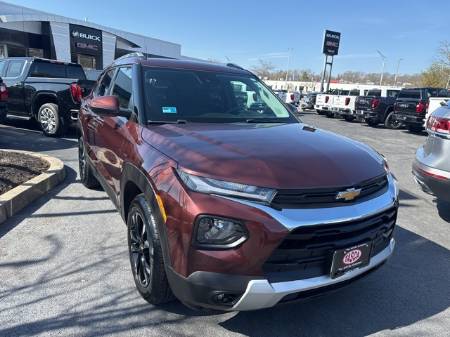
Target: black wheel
52 124
391 123
146 257
349 118
87 178
372 122
320 112
3 117
330 114
415 129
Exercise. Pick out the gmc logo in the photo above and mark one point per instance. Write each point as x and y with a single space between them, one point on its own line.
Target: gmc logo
86 36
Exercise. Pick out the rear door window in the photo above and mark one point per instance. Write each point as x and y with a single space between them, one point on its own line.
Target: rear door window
14 68
48 69
75 71
123 87
376 93
354 92
392 93
411 94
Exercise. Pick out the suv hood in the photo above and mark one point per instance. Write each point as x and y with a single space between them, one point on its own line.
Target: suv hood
282 156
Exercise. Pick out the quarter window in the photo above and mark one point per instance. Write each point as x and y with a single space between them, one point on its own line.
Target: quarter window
392 93
14 68
105 83
123 87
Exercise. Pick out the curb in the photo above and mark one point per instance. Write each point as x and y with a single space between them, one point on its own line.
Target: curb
21 196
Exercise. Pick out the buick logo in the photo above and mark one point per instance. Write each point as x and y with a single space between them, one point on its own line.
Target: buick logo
85 36
348 194
352 256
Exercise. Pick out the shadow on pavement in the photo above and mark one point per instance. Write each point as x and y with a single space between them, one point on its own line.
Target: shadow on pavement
27 212
406 290
15 137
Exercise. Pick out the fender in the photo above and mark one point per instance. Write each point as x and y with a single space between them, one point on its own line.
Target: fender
37 95
131 173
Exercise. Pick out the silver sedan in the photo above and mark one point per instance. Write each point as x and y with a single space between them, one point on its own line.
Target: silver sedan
431 167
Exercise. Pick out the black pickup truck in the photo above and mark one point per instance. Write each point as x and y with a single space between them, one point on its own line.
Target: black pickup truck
377 107
411 106
3 98
46 90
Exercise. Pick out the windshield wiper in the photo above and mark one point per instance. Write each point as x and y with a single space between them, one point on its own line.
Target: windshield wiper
178 121
264 120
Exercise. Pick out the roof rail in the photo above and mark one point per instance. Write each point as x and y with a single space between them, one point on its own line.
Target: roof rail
232 65
133 54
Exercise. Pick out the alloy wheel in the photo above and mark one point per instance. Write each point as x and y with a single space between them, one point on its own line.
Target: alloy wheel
141 252
47 118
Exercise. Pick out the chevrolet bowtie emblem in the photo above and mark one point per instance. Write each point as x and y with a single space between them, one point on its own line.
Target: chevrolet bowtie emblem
349 194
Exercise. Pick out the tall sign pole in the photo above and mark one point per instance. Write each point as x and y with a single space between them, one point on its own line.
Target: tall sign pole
331 41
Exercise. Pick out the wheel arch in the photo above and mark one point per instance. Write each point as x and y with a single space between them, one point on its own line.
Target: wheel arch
41 98
133 182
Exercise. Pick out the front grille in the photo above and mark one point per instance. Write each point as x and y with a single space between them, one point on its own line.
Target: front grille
308 251
318 197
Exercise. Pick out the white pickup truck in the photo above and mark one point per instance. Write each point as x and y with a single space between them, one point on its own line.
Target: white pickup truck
433 104
345 105
324 102
289 97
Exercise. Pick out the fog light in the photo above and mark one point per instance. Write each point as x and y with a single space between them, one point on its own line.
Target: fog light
215 232
225 299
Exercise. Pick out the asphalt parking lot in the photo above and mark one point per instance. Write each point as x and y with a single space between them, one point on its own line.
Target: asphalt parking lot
64 267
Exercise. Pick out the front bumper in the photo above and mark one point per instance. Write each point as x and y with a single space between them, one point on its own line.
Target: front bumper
410 119
262 294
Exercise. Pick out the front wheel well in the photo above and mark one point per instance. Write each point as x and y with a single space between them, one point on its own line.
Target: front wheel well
130 191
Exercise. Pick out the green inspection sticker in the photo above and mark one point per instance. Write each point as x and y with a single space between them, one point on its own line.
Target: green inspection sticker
169 110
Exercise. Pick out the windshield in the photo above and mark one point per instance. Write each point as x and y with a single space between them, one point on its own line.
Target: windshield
201 96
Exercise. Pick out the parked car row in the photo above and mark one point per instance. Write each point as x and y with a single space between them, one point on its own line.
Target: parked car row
393 107
417 109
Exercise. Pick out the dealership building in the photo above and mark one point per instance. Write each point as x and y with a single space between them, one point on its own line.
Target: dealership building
29 32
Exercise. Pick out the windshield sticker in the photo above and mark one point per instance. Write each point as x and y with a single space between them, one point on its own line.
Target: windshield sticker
169 110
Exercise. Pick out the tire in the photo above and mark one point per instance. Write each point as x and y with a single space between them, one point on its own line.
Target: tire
3 117
330 114
87 177
391 123
349 118
372 123
415 129
52 123
320 112
146 256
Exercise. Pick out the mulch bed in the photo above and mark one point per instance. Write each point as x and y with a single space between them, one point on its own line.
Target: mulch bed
17 168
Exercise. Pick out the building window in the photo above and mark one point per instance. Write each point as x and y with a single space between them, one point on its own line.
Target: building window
87 61
35 52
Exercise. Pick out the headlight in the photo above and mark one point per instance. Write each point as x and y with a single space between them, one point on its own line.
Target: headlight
213 186
218 233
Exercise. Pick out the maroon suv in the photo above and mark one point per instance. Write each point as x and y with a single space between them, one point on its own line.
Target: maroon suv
230 201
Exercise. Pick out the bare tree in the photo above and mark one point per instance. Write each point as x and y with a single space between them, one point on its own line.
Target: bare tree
263 69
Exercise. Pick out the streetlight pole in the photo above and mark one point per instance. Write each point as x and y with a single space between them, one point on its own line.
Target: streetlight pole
396 73
288 65
383 59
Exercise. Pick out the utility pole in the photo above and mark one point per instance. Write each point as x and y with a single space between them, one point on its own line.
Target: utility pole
383 63
396 73
288 65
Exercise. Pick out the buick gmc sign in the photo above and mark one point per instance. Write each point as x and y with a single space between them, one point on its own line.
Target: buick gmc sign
85 40
331 42
86 36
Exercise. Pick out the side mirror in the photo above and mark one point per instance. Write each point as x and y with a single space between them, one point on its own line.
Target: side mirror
108 106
